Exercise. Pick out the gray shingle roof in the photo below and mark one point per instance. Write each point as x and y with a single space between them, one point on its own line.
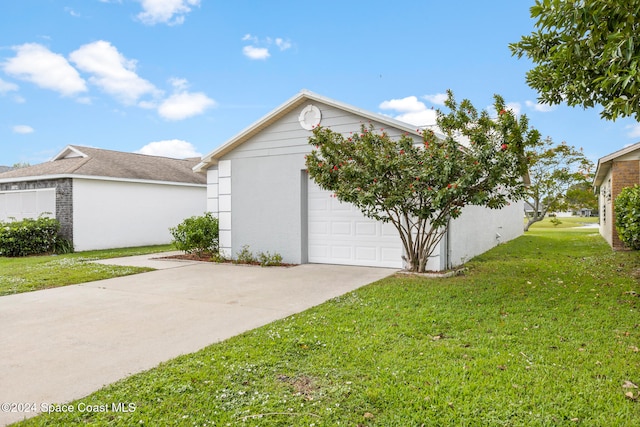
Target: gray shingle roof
112 164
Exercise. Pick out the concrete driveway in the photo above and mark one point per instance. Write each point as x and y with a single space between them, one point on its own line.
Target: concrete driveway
61 344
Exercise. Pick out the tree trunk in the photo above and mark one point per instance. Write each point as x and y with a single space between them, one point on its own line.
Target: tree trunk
533 220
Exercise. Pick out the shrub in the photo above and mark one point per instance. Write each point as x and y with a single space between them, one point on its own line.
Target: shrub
196 234
29 236
555 221
266 259
245 256
627 208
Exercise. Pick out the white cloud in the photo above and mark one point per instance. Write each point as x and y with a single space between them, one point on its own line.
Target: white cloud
542 108
437 99
515 107
253 52
183 105
419 118
249 37
23 129
259 48
72 12
174 148
169 12
283 44
112 72
634 131
37 64
405 105
6 87
179 84
412 111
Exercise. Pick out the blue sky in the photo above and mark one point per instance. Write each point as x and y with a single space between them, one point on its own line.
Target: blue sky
180 77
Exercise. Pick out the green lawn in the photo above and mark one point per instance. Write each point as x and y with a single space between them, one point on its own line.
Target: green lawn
568 222
41 272
542 331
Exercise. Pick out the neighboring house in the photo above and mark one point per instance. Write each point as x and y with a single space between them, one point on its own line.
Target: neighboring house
615 172
258 187
106 199
529 209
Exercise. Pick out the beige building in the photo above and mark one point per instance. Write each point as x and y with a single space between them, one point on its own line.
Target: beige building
615 172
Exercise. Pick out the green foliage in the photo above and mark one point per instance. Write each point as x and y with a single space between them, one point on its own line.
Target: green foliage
553 171
29 237
197 234
418 184
581 195
585 53
266 259
627 207
245 256
555 221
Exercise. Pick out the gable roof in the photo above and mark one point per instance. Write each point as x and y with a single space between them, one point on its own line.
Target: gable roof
604 163
297 101
77 161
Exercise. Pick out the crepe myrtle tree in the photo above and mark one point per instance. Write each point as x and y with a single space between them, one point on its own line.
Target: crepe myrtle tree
419 186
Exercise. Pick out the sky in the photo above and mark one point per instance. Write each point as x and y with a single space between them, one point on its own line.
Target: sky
181 77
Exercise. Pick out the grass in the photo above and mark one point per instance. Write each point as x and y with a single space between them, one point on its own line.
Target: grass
565 222
41 272
542 331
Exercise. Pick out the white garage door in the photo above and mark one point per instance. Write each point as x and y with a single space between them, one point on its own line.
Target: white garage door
27 204
340 234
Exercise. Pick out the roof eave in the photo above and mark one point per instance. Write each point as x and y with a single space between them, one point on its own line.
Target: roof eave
100 178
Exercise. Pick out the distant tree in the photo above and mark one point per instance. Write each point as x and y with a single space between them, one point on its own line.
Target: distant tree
553 170
418 187
586 52
20 165
581 195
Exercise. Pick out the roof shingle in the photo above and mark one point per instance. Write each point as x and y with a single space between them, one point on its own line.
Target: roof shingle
113 164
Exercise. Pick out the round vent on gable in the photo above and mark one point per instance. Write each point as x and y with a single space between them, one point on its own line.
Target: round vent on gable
310 117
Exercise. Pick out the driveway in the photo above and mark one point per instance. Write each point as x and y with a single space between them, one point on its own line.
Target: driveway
61 344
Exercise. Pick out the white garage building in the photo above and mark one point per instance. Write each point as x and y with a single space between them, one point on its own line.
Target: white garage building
258 187
106 199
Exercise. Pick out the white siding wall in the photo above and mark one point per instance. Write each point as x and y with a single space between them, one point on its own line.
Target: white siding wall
112 214
479 229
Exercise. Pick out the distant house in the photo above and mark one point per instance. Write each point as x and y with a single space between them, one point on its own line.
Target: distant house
106 199
259 188
615 172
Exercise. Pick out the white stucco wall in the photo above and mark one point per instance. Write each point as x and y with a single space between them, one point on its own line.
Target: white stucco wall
479 229
114 214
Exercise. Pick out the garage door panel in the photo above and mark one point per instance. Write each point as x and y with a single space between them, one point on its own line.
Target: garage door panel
367 229
318 205
338 233
341 228
389 230
318 227
366 253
